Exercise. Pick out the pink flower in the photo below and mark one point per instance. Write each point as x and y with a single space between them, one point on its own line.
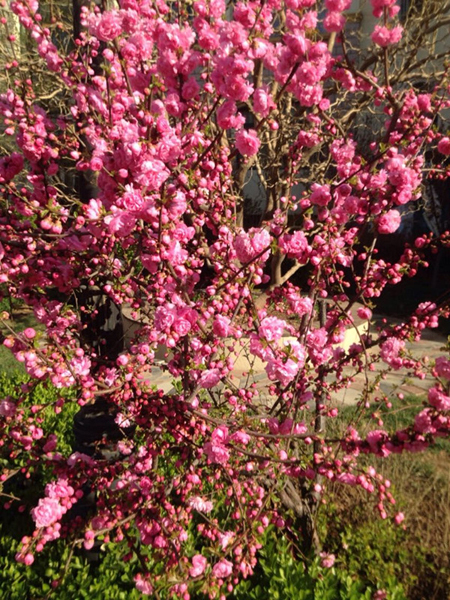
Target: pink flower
199 564
271 329
284 372
153 174
217 453
121 223
209 378
399 518
442 367
10 166
334 21
263 102
240 437
321 194
201 505
444 146
59 489
338 5
7 408
177 205
215 449
327 560
225 538
364 313
181 326
384 37
221 326
227 116
109 26
423 422
222 569
295 246
318 348
389 352
165 317
80 365
378 5
47 512
377 440
29 333
249 244
247 142
438 399
143 585
389 222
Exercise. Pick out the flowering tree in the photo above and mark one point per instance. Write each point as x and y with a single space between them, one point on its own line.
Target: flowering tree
131 197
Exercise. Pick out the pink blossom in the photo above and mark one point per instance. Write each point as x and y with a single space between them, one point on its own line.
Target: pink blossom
174 253
384 37
338 5
442 367
222 569
143 585
263 102
438 399
221 326
389 222
288 427
364 313
240 437
153 174
376 440
181 326
10 166
80 365
108 27
201 505
378 5
93 210
318 346
321 194
177 205
121 223
7 408
390 350
271 328
199 564
251 244
300 305
247 142
47 512
444 146
225 538
217 453
215 449
399 518
283 371
295 246
59 489
423 422
227 116
210 378
29 333
327 560
334 21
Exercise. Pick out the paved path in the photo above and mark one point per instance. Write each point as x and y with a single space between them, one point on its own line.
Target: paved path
431 345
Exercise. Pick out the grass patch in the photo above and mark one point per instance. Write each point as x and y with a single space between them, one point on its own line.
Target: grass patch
417 553
20 318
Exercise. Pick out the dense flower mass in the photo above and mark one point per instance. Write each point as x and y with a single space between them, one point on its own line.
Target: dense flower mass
203 197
